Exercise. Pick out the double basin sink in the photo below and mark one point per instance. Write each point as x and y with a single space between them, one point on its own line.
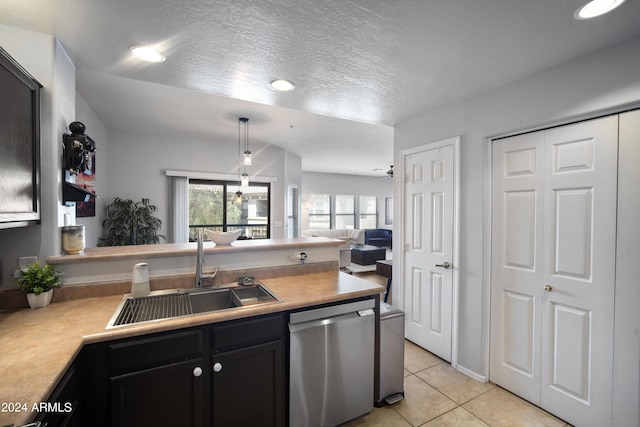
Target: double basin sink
185 302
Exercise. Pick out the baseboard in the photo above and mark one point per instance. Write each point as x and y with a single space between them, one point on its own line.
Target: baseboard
470 373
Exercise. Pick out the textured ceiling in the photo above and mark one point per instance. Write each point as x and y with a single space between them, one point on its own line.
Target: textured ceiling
360 66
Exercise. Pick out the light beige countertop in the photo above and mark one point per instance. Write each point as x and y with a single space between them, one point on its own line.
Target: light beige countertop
39 345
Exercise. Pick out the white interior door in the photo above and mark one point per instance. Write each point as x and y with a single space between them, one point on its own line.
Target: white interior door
518 182
553 268
428 264
579 270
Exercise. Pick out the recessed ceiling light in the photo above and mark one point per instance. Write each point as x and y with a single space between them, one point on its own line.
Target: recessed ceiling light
282 85
147 53
596 8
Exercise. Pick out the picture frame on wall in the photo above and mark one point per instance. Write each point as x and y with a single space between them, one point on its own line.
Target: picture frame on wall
87 179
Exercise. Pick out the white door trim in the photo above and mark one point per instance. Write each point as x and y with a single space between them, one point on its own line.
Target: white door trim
398 260
486 256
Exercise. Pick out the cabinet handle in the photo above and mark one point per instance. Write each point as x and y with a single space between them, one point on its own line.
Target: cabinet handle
548 288
217 367
197 371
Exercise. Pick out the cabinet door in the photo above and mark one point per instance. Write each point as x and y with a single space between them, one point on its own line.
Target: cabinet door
63 407
170 395
248 386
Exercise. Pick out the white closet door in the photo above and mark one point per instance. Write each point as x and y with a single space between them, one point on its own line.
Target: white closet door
553 268
579 270
517 227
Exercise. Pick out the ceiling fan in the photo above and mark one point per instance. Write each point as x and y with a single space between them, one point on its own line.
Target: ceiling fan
388 174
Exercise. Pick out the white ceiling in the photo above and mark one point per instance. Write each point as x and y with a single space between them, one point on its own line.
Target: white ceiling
360 66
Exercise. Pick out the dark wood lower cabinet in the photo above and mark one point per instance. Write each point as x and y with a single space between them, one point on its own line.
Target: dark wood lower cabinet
248 389
62 409
170 379
165 396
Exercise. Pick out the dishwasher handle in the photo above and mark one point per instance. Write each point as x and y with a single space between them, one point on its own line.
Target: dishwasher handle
295 327
330 311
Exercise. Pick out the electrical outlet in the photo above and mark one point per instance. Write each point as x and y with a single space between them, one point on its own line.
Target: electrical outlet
26 261
299 257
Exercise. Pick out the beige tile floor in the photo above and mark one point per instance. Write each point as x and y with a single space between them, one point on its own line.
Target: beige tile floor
436 395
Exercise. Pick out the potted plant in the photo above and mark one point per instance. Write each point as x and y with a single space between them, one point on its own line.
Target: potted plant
130 223
38 281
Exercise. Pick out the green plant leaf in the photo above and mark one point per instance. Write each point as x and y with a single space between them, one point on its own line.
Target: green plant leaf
130 223
37 278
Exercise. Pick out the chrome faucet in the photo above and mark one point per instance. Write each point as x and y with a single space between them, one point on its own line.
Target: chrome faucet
200 277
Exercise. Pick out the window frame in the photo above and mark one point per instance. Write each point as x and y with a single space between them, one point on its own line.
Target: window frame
225 225
323 215
346 214
374 214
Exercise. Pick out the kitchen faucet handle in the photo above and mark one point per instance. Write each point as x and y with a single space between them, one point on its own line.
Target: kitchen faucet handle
210 276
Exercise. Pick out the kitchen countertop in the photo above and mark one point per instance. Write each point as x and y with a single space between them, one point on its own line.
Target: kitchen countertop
39 345
109 253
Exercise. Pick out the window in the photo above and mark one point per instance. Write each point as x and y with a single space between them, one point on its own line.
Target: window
345 212
292 211
368 212
319 211
214 205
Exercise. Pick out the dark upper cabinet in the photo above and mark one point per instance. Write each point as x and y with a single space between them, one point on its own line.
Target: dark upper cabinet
19 145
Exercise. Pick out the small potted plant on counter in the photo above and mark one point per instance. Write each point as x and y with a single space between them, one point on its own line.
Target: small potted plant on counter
38 281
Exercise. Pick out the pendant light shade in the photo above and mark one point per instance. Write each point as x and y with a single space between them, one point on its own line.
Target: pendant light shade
238 198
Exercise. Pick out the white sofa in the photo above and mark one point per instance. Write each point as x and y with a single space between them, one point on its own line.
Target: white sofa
349 236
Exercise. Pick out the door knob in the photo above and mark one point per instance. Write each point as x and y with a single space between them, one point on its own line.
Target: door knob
444 265
548 288
217 367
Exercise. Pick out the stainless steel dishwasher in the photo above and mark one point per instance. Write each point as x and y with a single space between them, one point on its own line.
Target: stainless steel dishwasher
331 364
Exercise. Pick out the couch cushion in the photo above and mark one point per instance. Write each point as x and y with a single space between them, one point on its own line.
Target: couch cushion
378 237
356 236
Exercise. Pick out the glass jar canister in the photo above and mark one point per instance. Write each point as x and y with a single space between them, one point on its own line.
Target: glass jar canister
73 239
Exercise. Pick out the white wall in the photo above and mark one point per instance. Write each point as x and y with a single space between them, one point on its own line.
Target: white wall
97 130
45 59
329 183
137 163
606 81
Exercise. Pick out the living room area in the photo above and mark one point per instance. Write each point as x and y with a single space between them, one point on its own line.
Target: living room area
357 210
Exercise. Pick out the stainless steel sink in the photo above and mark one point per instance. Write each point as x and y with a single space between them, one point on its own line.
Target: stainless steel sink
247 295
217 299
161 305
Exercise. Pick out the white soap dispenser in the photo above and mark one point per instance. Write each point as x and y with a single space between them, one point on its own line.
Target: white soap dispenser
140 283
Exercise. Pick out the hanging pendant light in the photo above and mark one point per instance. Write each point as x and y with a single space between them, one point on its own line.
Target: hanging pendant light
238 199
244 122
244 159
